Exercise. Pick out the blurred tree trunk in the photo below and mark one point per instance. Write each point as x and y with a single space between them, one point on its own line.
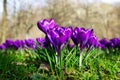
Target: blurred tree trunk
4 20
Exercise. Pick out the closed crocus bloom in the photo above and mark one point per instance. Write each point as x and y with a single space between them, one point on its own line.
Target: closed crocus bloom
106 43
103 41
45 25
23 44
119 45
58 37
30 43
80 38
19 44
2 47
81 35
92 43
78 35
42 42
85 35
9 43
116 42
101 46
110 45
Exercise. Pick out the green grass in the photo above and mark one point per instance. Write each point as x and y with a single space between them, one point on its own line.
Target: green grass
42 64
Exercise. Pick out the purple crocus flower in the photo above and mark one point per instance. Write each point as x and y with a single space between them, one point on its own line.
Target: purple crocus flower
103 41
92 43
30 43
9 43
102 46
2 47
46 25
110 45
42 42
58 37
81 36
23 43
19 44
116 42
106 44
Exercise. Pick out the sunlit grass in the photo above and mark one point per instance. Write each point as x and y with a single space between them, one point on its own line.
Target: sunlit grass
42 64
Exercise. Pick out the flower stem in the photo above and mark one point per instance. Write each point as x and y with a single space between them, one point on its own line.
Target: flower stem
59 60
80 60
58 54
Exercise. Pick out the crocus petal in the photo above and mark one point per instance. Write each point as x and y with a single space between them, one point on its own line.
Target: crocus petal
45 25
85 35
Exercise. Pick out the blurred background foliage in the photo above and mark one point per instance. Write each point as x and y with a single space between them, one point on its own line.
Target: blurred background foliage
18 18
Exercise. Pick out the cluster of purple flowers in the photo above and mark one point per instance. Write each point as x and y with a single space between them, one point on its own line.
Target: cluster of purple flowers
57 36
83 38
12 44
110 44
24 44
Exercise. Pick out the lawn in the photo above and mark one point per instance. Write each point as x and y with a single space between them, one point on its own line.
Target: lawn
40 64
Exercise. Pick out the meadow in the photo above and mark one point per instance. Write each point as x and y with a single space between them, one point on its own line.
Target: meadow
54 57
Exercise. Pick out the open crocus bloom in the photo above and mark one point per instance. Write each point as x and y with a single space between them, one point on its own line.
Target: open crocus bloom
58 37
45 25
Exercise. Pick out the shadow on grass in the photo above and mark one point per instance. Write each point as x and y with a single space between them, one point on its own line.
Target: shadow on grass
13 66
